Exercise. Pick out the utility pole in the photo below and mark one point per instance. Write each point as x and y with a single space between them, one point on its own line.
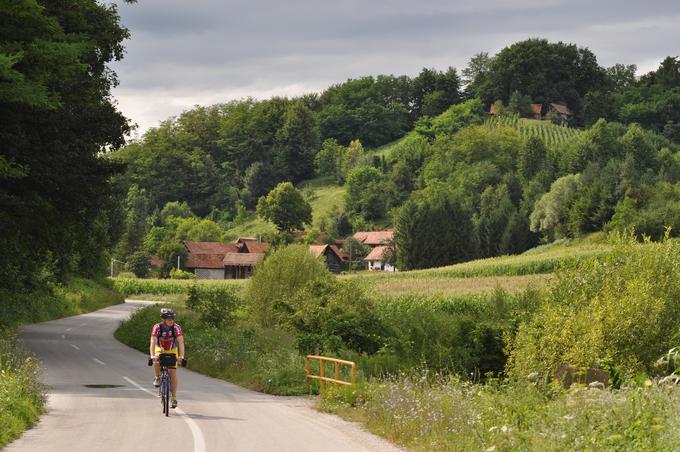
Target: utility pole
350 256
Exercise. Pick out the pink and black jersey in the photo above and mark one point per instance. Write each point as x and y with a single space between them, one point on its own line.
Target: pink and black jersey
167 336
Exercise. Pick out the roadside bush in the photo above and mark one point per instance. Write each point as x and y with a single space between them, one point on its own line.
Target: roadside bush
620 309
216 309
459 335
53 301
277 281
21 392
126 275
332 315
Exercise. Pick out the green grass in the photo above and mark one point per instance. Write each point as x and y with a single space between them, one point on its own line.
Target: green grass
252 226
540 260
326 194
432 413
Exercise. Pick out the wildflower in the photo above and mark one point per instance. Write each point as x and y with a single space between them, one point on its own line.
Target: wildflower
568 417
504 429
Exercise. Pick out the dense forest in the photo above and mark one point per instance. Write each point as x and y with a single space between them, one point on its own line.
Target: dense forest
457 184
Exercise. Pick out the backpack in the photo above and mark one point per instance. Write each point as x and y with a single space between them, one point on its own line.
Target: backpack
160 334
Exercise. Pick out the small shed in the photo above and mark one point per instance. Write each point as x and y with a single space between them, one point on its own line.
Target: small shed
332 255
240 265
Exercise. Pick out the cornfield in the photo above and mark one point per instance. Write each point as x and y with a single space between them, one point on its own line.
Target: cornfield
172 286
551 134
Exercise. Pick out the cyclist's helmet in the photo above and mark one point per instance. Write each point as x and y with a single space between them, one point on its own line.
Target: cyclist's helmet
167 313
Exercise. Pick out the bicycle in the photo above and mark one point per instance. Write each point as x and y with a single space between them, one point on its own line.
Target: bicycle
166 361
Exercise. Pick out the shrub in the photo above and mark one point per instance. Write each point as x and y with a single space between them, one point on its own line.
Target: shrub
176 273
277 280
216 309
622 308
21 392
332 315
127 275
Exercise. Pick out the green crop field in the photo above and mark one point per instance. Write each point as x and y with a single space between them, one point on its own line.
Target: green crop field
512 273
551 134
172 286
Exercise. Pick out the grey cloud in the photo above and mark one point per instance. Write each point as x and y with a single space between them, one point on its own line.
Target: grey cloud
182 52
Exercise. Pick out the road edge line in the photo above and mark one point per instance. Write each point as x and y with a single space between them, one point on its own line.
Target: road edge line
199 440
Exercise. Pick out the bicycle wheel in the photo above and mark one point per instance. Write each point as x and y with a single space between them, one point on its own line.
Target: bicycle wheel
166 396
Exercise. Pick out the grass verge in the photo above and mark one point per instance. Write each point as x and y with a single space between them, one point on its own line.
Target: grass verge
422 412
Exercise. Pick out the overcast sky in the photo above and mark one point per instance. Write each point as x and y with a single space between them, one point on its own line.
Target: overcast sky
184 53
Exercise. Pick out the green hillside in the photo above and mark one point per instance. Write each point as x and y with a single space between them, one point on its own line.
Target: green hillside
322 193
550 133
512 273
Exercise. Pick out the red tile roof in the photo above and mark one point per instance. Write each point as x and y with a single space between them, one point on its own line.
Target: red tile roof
210 247
242 259
317 250
374 238
195 260
561 109
341 254
155 261
376 254
256 247
537 108
320 250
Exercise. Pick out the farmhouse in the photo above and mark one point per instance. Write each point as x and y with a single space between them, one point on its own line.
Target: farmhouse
377 258
378 241
216 260
542 111
332 254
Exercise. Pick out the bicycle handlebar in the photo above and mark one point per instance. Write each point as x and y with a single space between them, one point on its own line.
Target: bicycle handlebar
183 362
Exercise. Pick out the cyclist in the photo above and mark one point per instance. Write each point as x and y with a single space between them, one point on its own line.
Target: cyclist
167 337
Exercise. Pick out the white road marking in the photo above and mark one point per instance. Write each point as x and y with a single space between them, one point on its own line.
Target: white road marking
99 361
75 346
69 329
199 440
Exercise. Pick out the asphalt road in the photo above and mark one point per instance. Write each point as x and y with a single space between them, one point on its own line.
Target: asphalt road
213 415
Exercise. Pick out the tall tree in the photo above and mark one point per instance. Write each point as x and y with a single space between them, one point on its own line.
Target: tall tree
57 118
285 207
297 142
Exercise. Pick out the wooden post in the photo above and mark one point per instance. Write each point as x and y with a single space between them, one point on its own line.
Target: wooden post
309 387
337 370
354 373
322 374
